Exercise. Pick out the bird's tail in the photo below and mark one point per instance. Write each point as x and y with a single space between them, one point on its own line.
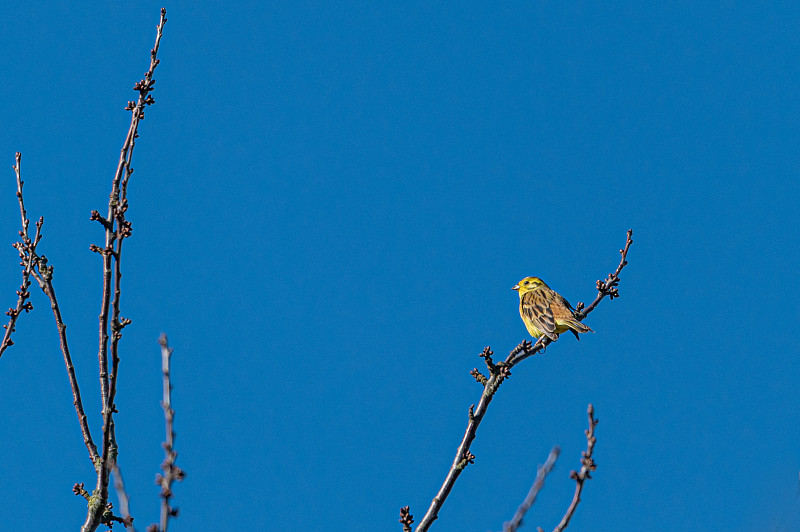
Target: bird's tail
576 327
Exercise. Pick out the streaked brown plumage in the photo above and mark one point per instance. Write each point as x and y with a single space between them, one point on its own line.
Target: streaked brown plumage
545 311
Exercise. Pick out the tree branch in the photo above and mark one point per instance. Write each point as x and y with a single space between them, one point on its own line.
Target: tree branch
45 278
171 471
538 484
36 266
122 496
609 286
27 256
497 374
117 228
587 466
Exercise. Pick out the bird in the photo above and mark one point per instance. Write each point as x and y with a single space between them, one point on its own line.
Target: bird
545 311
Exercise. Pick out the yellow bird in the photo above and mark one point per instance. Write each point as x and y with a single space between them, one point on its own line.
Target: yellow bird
544 311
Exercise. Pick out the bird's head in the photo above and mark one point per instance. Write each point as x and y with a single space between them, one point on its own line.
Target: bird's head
528 284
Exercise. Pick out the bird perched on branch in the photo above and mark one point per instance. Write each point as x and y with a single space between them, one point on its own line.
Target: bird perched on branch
545 311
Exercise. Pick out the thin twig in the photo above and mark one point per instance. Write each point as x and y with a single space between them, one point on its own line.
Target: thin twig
587 466
538 484
45 278
116 233
117 228
122 496
497 374
609 286
463 457
36 266
27 256
171 471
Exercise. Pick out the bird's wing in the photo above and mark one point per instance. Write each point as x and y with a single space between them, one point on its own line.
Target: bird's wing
564 300
536 307
564 314
561 308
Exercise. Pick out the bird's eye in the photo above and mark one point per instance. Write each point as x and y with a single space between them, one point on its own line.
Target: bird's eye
526 282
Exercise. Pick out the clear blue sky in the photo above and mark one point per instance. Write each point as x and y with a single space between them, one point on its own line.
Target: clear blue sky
330 205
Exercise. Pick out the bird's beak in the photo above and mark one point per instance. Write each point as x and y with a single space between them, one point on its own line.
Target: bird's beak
515 287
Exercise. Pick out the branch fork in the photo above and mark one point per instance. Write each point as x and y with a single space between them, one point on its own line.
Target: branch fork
117 229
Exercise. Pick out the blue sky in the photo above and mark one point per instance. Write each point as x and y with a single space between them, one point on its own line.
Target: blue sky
330 205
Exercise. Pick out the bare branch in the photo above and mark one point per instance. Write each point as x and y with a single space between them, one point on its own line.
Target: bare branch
609 286
45 278
117 228
117 206
122 496
587 466
497 374
27 255
538 484
171 471
36 266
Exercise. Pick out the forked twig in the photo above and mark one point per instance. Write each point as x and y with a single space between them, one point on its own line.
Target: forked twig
36 266
117 228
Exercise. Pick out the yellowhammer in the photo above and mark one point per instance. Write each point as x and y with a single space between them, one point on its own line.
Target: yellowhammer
545 311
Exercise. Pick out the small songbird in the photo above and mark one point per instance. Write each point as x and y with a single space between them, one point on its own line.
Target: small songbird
545 311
